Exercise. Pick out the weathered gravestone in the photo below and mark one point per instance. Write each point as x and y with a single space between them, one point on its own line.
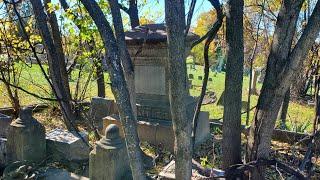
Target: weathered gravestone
65 145
109 159
148 47
4 124
26 139
199 77
210 79
191 76
100 108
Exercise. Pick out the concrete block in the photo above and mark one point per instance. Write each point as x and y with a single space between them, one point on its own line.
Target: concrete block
62 144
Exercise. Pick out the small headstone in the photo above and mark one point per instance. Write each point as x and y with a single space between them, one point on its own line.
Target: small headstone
210 79
109 157
191 76
26 139
199 77
4 124
100 108
62 144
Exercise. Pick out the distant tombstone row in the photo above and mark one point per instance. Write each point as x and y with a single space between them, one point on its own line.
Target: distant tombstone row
199 77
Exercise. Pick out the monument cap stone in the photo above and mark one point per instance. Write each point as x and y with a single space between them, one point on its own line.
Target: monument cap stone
151 34
112 138
25 118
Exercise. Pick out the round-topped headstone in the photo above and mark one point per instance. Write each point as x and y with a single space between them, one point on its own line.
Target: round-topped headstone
112 138
25 118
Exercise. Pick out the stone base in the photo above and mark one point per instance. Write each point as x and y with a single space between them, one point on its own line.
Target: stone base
160 132
62 144
3 152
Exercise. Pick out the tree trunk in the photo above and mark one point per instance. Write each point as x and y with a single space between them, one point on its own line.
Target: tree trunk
100 81
54 64
133 13
231 144
281 70
118 84
284 109
56 36
175 20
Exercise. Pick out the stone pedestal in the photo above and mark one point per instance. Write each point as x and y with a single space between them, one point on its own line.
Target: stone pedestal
3 152
109 159
160 132
100 108
26 139
65 145
4 124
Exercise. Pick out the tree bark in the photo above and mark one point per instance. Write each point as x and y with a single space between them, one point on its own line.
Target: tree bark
118 86
281 69
284 109
231 144
125 57
100 81
133 13
175 20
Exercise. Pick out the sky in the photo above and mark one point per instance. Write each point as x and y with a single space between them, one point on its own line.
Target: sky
155 7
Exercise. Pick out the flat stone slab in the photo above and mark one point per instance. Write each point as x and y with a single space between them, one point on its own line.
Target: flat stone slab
168 173
63 144
60 174
4 124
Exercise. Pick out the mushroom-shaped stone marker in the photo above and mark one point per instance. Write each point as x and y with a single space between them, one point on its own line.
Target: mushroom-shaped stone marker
112 138
109 159
26 138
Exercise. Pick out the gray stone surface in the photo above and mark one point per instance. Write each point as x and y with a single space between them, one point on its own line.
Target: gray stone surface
100 108
109 159
191 76
65 145
4 124
3 152
59 174
150 80
26 139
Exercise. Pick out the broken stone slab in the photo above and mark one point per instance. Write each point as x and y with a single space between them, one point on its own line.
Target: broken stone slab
4 124
59 174
3 152
65 145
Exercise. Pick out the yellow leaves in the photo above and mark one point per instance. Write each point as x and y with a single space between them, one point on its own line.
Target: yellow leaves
53 7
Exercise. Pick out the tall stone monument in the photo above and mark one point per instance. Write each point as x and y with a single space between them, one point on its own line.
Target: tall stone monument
26 139
147 46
